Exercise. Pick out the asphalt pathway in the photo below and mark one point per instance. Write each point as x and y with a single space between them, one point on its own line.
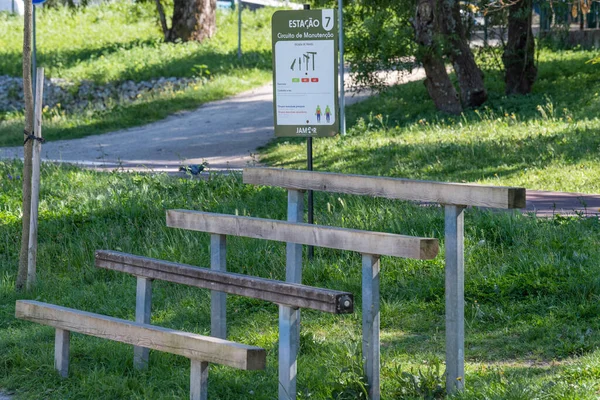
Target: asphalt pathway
225 134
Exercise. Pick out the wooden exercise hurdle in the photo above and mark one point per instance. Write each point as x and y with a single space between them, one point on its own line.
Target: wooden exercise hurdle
148 269
455 197
199 349
370 244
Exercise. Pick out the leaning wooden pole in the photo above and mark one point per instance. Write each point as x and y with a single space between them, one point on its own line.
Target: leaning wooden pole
28 145
35 179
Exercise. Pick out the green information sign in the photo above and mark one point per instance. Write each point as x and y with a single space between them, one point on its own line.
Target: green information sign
305 73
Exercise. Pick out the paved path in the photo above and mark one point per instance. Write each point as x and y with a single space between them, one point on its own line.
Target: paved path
225 133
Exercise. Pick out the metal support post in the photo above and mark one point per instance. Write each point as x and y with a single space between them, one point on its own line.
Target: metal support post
455 301
218 300
143 309
62 343
342 69
239 4
289 318
311 220
370 323
198 380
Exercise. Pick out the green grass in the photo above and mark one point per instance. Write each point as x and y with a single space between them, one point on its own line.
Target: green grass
121 41
531 290
548 140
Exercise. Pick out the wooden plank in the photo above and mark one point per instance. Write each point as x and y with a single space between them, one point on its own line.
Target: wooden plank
294 295
299 233
35 181
370 324
391 188
455 299
143 309
186 344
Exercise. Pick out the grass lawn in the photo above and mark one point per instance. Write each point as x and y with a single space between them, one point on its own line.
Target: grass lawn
532 285
121 41
549 140
531 294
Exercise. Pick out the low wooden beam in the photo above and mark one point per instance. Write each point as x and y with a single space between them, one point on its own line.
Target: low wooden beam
289 294
186 344
391 188
313 235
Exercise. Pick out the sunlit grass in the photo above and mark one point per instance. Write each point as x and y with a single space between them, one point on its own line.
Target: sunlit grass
549 140
120 41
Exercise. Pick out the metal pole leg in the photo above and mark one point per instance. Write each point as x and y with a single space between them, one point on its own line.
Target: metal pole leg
370 322
289 318
455 301
218 300
198 380
61 351
143 307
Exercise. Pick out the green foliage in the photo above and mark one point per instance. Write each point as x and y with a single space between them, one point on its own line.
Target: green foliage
349 382
378 37
427 383
120 41
531 292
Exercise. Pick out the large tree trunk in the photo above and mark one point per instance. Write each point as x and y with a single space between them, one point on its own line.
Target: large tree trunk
519 51
470 77
438 82
28 150
193 20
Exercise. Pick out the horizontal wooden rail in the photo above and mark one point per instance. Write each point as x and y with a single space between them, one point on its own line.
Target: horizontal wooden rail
190 345
313 235
289 294
391 188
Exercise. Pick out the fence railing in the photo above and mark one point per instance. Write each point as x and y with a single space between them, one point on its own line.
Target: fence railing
455 197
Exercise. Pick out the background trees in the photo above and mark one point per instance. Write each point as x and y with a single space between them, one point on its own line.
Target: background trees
387 35
192 20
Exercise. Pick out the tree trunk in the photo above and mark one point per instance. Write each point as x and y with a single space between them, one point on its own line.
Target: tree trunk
193 20
438 82
519 51
28 146
162 19
470 77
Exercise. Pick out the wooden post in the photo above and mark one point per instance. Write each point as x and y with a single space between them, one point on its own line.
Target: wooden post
35 181
218 300
198 380
455 302
143 309
370 322
21 281
289 318
61 351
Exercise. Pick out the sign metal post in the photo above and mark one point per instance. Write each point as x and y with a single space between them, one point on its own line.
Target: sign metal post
305 78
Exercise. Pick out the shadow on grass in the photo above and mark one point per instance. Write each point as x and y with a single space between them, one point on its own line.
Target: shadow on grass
568 82
455 161
216 62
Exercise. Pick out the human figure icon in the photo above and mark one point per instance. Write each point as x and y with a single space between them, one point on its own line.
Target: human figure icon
327 113
318 113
